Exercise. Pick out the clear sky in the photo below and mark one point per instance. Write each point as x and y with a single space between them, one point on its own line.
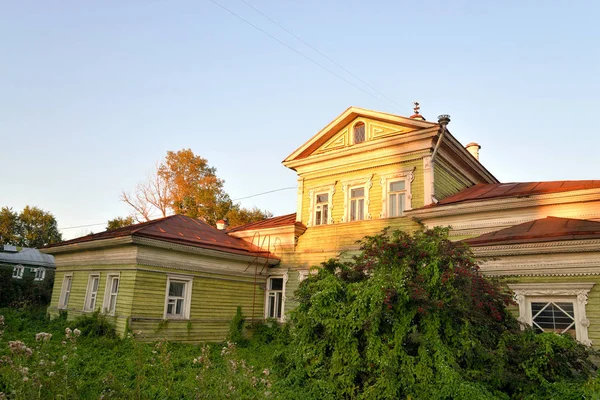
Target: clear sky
94 93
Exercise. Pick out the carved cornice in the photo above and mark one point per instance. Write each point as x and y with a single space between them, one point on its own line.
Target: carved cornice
549 247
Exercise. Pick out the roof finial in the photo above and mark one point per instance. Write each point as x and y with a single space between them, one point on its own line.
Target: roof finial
416 109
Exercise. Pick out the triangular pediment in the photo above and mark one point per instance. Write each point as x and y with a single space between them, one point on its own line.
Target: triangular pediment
339 134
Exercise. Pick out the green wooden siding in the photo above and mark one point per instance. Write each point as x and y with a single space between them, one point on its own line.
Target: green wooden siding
592 309
447 180
79 290
214 302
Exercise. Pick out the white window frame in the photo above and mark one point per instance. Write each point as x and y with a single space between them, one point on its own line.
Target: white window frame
405 175
108 294
574 292
90 294
18 272
65 291
188 281
347 186
268 292
312 209
40 274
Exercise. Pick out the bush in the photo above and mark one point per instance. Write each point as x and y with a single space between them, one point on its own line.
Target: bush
412 317
25 292
95 324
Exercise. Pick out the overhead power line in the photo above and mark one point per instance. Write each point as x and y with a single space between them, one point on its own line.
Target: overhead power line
297 51
322 54
158 215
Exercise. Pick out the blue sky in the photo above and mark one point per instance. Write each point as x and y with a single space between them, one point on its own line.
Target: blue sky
93 94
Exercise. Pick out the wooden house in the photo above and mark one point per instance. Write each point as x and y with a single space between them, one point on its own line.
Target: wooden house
366 170
175 278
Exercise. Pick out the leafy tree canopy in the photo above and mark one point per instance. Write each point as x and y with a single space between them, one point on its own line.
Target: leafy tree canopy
412 317
32 227
184 183
119 222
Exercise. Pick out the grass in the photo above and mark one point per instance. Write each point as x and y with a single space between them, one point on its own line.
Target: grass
85 364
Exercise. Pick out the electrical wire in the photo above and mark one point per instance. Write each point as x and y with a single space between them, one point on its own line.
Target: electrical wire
322 54
294 50
158 215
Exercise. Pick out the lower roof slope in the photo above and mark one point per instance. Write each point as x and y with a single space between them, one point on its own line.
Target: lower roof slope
275 222
540 230
176 229
517 189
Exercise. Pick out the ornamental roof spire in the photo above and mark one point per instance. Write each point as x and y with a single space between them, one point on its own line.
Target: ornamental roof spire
416 109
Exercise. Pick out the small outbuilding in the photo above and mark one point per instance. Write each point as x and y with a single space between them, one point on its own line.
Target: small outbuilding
175 278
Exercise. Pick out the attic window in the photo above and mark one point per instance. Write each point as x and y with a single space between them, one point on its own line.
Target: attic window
359 132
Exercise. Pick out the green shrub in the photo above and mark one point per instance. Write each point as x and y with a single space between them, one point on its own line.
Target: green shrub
95 324
412 317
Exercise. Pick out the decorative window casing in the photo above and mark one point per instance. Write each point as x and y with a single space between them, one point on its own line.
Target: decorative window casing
65 291
396 194
359 132
18 271
275 297
555 307
91 295
321 205
356 199
305 273
178 297
40 274
109 305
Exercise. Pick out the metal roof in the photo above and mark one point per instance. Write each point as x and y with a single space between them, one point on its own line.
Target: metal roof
547 229
28 256
516 189
177 229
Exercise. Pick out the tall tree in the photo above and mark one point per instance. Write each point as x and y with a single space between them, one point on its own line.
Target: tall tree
119 222
38 228
185 183
9 226
32 227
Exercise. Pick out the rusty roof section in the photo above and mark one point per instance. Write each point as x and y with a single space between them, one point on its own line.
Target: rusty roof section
178 229
483 191
275 222
548 229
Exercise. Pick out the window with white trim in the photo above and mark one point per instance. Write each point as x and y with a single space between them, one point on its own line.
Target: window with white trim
92 292
396 195
65 291
396 198
359 132
357 204
18 271
178 297
321 208
555 307
274 304
40 274
110 294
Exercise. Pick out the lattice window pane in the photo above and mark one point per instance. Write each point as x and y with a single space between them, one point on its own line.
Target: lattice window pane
556 317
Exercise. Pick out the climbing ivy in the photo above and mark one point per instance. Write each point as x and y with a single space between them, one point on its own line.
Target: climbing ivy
411 316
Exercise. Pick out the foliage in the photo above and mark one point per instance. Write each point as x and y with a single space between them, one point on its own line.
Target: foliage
9 226
95 324
25 292
65 363
119 222
184 183
236 328
32 227
412 317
